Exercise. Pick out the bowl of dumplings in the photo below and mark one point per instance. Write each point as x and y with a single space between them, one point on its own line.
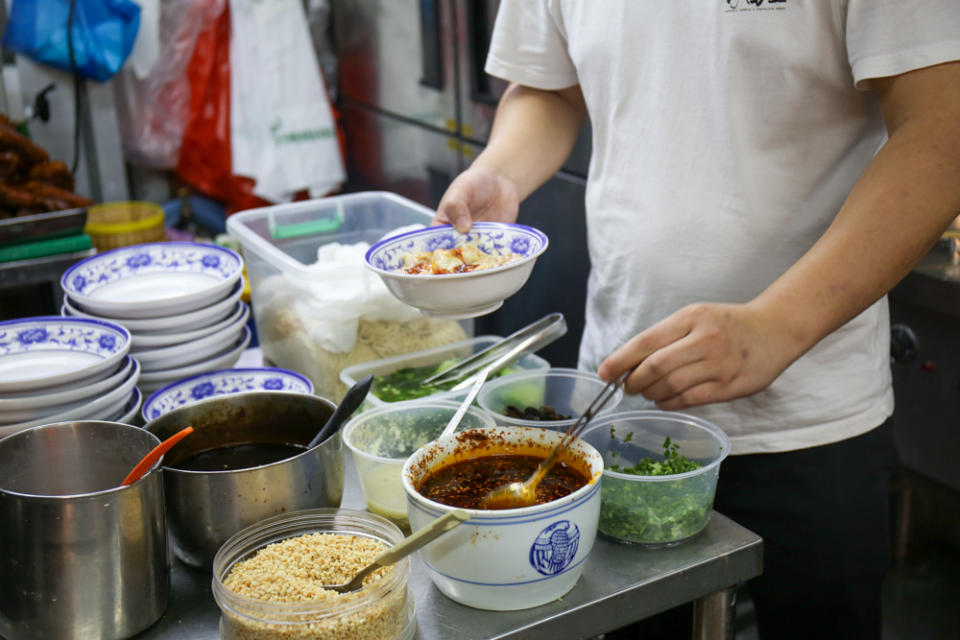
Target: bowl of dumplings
448 274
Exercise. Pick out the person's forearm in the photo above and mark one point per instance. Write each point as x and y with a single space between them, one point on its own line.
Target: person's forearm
533 134
905 199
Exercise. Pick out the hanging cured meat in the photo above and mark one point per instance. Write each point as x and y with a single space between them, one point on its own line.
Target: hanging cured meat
30 182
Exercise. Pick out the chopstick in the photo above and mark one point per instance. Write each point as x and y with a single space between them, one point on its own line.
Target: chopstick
608 391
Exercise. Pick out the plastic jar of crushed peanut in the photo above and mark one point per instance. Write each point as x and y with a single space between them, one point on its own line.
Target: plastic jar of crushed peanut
268 579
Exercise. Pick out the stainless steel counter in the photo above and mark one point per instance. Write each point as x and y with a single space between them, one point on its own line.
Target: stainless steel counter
620 584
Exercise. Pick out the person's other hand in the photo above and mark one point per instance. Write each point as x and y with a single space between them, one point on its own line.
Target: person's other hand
703 353
478 194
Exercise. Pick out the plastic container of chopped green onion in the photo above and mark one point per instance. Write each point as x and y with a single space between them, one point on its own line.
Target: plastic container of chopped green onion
660 474
398 379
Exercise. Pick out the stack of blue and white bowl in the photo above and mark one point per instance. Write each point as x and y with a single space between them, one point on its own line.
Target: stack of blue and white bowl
180 302
55 369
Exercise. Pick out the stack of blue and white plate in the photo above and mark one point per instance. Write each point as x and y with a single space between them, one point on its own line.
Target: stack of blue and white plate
222 383
179 300
55 369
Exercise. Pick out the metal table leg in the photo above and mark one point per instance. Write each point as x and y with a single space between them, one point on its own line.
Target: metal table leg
713 616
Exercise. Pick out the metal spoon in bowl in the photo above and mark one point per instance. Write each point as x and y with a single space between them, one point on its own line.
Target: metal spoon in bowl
351 402
514 495
409 544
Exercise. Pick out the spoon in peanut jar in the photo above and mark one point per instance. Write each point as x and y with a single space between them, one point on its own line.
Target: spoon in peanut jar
515 495
409 544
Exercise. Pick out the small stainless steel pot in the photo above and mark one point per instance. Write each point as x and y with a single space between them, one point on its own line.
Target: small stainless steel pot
204 508
80 556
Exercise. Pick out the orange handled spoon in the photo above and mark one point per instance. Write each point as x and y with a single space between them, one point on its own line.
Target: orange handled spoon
148 460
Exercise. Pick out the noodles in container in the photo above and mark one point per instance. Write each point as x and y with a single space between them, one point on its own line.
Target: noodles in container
335 314
268 579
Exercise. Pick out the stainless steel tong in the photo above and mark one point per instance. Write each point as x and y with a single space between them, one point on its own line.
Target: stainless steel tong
535 335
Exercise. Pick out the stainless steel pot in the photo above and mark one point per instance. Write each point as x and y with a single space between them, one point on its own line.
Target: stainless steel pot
80 556
204 508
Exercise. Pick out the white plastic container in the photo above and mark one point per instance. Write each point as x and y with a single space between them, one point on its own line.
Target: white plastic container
383 438
429 357
656 511
308 320
567 391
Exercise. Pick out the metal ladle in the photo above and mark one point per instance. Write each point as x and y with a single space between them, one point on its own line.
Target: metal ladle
515 495
409 544
351 402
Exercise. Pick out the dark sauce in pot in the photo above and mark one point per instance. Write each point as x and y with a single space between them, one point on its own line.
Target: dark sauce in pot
239 456
464 484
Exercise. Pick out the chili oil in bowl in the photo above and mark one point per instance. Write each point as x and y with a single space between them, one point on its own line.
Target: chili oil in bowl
511 558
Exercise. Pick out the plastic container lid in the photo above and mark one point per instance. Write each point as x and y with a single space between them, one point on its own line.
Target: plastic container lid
287 235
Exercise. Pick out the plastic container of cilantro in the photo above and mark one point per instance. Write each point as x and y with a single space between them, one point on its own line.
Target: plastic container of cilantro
656 510
431 358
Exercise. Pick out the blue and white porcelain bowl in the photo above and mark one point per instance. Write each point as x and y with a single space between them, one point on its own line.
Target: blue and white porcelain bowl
42 352
219 383
458 295
129 413
512 558
153 279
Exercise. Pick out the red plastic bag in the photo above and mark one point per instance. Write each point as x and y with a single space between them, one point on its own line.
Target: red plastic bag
153 109
205 160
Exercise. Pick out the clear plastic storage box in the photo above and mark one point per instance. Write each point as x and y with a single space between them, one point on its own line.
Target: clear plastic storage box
431 357
319 316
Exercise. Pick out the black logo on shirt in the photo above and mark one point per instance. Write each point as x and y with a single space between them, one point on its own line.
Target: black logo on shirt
754 5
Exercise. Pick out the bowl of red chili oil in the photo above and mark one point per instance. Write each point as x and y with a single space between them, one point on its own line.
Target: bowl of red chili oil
511 558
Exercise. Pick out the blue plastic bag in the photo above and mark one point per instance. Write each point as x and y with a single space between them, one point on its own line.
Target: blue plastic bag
103 33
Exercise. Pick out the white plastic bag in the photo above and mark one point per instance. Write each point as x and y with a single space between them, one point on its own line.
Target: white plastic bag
282 132
337 315
153 91
146 48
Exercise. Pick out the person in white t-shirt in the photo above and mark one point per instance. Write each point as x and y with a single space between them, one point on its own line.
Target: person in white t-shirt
762 174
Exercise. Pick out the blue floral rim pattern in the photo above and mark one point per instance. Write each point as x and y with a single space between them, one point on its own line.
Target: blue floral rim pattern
222 382
56 333
567 569
493 238
191 257
501 521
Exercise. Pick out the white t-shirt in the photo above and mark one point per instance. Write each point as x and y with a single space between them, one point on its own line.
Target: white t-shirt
726 136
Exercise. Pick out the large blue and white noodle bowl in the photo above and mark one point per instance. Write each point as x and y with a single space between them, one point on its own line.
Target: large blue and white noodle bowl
511 558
